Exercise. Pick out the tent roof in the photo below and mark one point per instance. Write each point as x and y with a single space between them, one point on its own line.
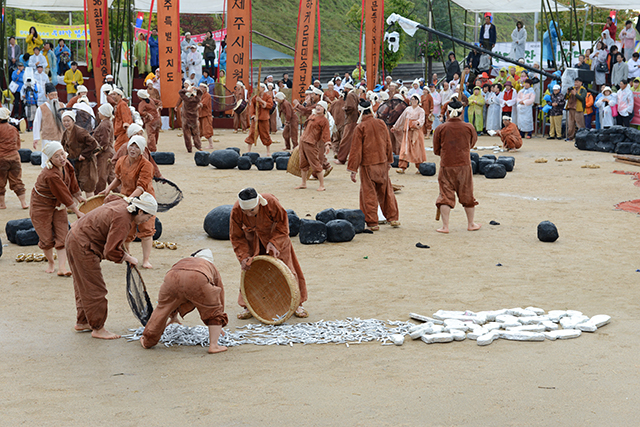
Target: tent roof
508 6
259 52
49 5
614 4
210 7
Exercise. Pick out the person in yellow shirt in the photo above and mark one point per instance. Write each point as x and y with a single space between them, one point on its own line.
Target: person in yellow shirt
73 78
33 40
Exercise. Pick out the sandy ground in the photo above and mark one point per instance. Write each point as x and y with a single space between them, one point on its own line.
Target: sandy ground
52 376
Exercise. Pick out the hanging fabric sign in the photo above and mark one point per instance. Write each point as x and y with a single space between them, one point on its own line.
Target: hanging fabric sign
169 55
374 18
303 64
239 43
98 17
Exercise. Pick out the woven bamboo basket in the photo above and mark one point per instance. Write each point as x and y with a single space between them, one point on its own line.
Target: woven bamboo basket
93 202
270 290
293 167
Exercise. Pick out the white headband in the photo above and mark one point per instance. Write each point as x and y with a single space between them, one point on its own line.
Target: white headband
71 114
205 254
145 201
50 149
247 205
139 141
455 112
106 110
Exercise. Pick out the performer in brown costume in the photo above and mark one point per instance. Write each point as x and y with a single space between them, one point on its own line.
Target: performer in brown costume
150 114
103 135
410 123
427 106
351 117
260 226
96 236
81 148
10 166
510 135
290 131
136 129
260 105
52 194
330 95
371 153
122 119
336 109
452 141
205 118
273 111
192 282
315 141
190 98
240 121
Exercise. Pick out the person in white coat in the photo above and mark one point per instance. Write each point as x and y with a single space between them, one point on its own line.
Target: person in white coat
604 105
494 109
524 106
599 56
41 78
624 102
519 40
628 39
37 59
194 64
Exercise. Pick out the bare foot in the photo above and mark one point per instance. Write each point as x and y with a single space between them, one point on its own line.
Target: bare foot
50 268
64 273
103 334
3 206
24 206
321 189
174 319
210 147
213 349
300 187
147 264
443 230
82 328
338 162
474 227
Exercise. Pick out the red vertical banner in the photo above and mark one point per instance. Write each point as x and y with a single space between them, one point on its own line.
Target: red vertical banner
98 17
303 64
373 22
169 50
238 42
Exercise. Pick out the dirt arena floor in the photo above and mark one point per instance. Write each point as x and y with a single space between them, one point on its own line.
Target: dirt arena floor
53 376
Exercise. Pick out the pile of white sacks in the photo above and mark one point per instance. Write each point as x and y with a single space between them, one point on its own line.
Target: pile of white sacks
517 324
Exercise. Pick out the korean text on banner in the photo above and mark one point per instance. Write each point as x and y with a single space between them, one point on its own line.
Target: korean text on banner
239 42
374 17
98 16
169 46
303 65
50 32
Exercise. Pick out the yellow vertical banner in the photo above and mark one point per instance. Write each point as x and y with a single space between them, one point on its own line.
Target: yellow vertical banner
303 63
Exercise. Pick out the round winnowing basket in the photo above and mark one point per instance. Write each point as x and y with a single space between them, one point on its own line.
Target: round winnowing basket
93 202
270 290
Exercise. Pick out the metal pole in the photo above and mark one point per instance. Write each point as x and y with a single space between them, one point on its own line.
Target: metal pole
451 25
575 14
591 25
429 60
70 19
584 26
535 25
475 27
273 40
3 33
555 24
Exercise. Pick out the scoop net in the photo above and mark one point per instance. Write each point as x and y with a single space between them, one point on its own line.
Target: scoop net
222 99
168 194
137 295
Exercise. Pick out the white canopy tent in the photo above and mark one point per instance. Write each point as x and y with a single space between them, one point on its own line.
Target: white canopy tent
210 7
49 5
614 4
507 6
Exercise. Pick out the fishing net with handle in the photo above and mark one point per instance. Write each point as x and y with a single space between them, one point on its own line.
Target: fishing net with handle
137 295
167 194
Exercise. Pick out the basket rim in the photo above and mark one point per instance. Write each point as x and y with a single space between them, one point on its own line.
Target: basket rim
81 205
291 281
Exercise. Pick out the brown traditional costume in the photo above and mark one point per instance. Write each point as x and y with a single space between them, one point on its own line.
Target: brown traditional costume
240 121
123 152
191 283
273 115
189 114
51 195
290 132
250 236
371 153
78 142
336 109
96 236
152 121
204 116
131 176
312 143
10 166
350 123
427 106
452 141
331 95
122 116
412 149
263 118
103 135
510 136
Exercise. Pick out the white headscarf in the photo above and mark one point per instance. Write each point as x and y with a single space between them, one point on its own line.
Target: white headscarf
145 202
247 205
69 113
49 150
204 254
139 141
133 129
143 94
4 114
106 110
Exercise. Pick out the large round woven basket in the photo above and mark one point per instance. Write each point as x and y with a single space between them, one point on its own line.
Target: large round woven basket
293 167
270 290
93 202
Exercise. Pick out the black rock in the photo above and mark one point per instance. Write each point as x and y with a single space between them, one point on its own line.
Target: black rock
244 163
605 147
508 162
396 160
282 162
264 163
216 223
586 140
0 247
294 223
495 171
427 169
326 215
223 159
604 137
163 158
253 156
635 149
617 138
475 156
354 216
615 129
340 230
36 158
474 167
157 234
236 149
489 156
547 232
280 154
633 134
483 163
624 147
14 225
27 237
25 155
201 158
312 232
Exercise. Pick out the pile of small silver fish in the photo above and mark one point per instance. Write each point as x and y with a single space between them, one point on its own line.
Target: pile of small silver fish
349 331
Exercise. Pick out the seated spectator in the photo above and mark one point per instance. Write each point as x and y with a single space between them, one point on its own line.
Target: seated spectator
581 64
